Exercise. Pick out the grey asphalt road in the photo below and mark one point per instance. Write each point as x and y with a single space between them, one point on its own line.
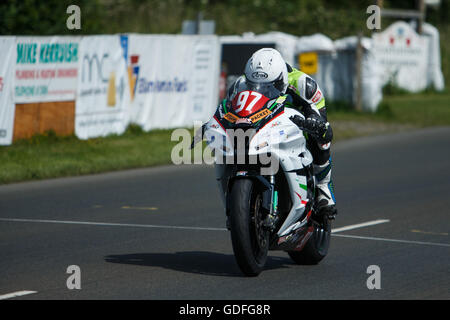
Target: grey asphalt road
159 233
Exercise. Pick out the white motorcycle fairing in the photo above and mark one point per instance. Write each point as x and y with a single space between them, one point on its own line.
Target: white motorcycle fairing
286 144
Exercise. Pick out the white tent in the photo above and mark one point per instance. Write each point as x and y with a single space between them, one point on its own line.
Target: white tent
336 72
371 85
285 43
397 54
435 78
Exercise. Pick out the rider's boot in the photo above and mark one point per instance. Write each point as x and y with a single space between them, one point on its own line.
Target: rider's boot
326 202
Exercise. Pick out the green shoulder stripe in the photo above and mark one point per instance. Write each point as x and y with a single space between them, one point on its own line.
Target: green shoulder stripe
293 78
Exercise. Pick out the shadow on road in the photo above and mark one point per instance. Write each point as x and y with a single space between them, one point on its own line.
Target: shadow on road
200 262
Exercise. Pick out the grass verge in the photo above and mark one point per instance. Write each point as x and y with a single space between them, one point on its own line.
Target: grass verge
49 156
397 112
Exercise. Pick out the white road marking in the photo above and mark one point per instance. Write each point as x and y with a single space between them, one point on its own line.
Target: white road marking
394 240
112 224
16 294
350 227
360 225
334 231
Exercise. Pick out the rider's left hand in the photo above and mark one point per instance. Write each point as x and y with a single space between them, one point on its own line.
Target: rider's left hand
312 124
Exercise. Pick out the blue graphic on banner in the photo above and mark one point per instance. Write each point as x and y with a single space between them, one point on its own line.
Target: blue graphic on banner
124 44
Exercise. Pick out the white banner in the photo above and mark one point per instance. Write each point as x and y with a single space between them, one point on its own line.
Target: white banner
103 94
174 79
46 69
7 106
403 56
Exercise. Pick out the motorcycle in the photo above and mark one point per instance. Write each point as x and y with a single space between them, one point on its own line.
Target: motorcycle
268 182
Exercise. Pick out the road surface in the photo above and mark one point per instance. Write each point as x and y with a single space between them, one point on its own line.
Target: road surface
159 233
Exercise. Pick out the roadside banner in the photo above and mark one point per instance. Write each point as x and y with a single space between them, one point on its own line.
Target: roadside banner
7 106
403 56
173 79
103 93
46 69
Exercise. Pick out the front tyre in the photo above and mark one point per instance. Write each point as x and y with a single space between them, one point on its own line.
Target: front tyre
317 246
249 239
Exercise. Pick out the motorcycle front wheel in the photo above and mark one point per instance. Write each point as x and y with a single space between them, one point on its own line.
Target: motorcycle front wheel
249 238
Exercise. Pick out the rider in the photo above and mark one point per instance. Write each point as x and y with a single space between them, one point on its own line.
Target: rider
267 66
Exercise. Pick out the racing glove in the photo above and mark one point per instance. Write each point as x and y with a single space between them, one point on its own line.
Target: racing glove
314 126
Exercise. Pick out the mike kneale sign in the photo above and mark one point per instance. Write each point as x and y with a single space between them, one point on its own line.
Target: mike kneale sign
46 69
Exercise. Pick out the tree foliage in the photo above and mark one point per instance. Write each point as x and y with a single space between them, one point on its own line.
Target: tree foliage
336 18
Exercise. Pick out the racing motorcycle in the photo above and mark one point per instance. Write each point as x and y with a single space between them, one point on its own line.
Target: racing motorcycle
268 181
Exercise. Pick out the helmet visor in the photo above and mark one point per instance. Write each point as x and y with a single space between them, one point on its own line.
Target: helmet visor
267 89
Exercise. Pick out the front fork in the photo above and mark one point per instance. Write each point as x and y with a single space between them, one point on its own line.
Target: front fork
271 203
225 176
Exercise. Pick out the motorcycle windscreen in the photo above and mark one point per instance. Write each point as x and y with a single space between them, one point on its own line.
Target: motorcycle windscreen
248 102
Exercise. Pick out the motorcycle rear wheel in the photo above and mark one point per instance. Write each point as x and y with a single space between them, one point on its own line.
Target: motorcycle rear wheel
249 238
317 246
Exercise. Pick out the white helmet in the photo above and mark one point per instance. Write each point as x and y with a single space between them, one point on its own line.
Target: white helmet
267 68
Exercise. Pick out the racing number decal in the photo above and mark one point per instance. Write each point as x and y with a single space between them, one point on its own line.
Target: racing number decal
242 101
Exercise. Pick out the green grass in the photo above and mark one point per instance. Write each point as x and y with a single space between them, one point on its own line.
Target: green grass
49 156
396 112
420 110
426 109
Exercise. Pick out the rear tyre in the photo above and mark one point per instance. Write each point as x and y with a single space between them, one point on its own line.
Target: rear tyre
317 246
249 239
